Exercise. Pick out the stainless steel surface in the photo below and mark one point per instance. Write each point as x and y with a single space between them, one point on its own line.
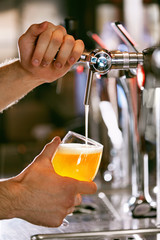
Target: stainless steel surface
126 60
103 63
114 233
124 35
88 58
157 104
135 177
88 87
101 60
109 205
145 204
96 220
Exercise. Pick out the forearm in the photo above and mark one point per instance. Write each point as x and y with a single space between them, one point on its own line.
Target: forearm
6 199
15 82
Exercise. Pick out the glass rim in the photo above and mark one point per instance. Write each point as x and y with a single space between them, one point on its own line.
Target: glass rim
82 137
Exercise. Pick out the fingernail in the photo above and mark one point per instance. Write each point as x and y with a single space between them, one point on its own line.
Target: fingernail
72 59
35 62
78 200
56 139
58 64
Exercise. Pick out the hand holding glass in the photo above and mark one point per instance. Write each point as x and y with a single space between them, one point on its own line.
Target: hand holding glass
77 157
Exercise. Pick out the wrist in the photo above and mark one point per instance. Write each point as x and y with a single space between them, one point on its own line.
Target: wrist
29 79
15 82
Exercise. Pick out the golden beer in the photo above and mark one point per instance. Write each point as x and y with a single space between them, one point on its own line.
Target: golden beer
78 161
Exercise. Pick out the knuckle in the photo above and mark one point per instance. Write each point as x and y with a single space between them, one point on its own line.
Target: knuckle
51 25
22 38
45 147
56 40
33 26
70 39
80 42
61 28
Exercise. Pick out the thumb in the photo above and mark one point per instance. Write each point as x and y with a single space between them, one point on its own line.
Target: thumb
49 149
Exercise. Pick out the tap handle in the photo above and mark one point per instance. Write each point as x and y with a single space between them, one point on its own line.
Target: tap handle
87 57
124 35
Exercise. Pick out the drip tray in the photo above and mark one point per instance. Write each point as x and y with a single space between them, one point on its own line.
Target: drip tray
140 234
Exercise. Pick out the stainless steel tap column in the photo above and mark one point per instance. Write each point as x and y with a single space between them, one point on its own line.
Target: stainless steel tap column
157 105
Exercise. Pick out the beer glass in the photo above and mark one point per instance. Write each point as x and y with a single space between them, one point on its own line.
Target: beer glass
77 157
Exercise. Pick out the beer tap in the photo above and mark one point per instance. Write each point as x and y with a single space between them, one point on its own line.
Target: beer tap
101 61
141 204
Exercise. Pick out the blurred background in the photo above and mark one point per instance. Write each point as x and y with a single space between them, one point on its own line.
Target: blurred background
53 109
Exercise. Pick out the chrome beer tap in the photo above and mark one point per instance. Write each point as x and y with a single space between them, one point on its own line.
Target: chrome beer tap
104 61
141 203
101 61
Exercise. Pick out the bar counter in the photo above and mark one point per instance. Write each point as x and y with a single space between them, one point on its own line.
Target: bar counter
100 217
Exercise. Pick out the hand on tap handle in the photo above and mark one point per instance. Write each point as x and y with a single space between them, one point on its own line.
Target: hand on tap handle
101 60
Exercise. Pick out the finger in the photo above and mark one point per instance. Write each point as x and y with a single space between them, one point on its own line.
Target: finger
76 52
54 45
50 149
86 187
60 27
70 210
35 30
55 42
65 51
78 200
27 41
41 46
47 46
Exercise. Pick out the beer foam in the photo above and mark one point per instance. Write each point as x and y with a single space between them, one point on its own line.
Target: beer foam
77 148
